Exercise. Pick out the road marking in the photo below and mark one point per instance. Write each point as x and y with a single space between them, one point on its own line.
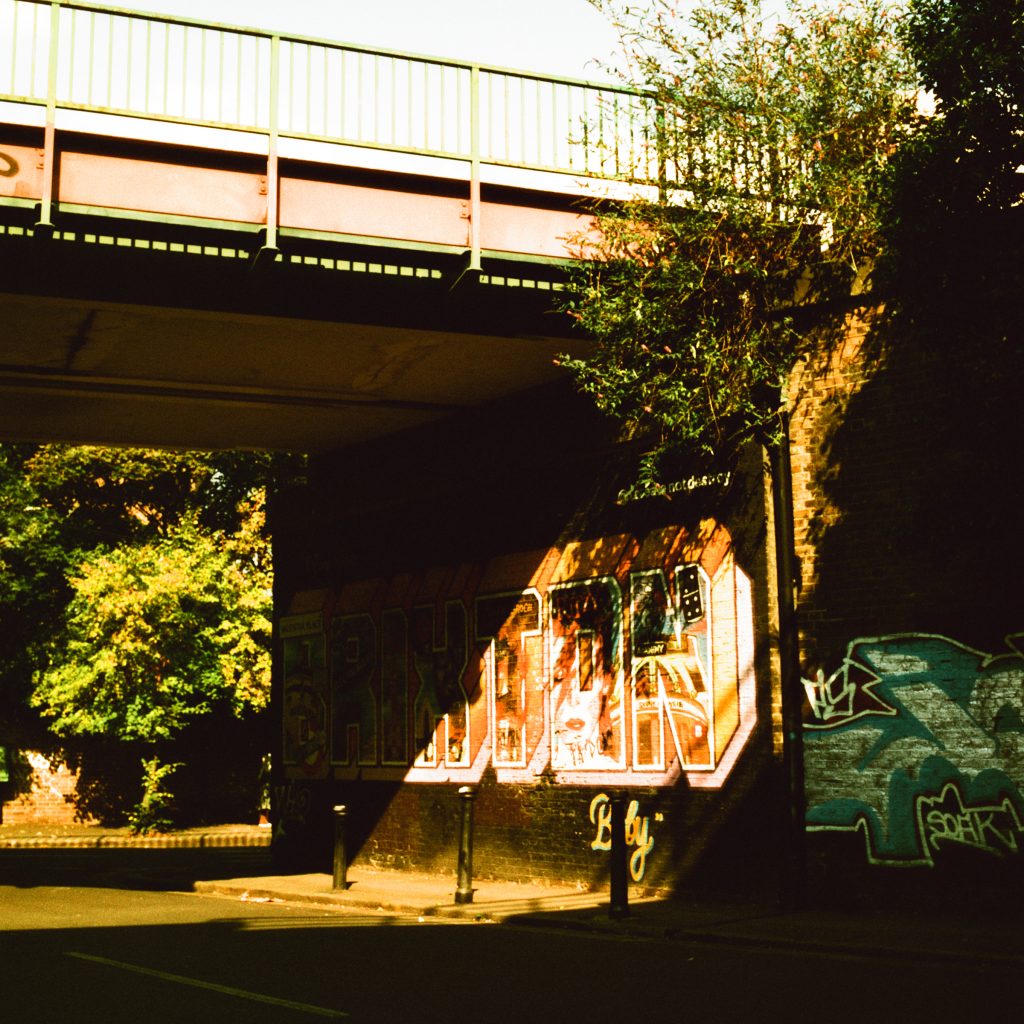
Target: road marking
319 1011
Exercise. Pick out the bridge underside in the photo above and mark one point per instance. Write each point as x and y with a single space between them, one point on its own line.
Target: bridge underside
132 332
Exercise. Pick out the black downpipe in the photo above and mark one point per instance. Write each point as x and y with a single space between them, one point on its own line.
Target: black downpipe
792 888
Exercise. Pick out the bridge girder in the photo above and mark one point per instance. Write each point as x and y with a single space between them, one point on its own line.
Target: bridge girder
155 334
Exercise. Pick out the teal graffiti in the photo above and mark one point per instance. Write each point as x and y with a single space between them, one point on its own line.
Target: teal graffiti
917 743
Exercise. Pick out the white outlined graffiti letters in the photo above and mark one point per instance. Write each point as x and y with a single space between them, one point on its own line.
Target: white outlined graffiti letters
847 694
440 709
671 668
353 681
304 712
394 686
993 827
616 661
586 640
510 624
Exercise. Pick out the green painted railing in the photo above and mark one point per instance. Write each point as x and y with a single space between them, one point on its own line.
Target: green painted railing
83 56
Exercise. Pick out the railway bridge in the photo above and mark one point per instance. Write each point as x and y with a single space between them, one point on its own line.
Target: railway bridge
215 236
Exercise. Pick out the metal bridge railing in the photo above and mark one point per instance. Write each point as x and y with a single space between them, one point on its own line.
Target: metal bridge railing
83 56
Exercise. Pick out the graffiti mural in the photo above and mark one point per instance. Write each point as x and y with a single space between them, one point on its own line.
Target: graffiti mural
671 668
623 658
510 626
917 743
354 712
440 711
586 638
305 694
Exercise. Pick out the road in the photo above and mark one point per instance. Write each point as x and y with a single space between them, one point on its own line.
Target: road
81 954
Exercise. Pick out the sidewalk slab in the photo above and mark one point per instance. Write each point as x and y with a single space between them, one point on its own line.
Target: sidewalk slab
931 935
401 892
876 935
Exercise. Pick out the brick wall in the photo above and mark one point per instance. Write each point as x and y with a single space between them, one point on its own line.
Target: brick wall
912 643
48 798
911 630
469 605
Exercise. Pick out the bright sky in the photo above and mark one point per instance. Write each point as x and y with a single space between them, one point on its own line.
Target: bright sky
558 37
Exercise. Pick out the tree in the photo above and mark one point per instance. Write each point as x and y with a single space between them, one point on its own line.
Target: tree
770 140
33 592
138 584
160 632
955 202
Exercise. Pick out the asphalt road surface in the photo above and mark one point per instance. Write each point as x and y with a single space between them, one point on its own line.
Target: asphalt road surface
79 954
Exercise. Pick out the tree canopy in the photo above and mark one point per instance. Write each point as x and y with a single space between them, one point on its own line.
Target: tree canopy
955 190
699 288
135 596
161 631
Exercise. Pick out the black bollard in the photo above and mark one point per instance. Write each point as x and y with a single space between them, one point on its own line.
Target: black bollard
340 856
464 892
618 906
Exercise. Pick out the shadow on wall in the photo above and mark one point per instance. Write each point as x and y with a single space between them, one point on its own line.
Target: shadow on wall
918 526
913 651
537 641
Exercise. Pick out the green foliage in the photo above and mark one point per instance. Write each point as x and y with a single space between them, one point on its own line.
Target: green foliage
160 632
33 592
135 598
154 812
954 214
698 291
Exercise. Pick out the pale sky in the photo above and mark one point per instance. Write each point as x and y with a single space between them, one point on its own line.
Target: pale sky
557 37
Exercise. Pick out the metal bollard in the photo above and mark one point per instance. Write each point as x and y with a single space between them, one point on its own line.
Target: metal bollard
340 857
618 906
464 892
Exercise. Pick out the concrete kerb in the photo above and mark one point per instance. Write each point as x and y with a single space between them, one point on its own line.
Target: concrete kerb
404 893
802 933
161 842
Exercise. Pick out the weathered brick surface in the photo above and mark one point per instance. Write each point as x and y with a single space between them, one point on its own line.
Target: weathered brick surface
49 798
904 470
522 499
903 475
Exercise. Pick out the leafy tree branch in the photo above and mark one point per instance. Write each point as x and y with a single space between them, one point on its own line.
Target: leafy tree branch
699 289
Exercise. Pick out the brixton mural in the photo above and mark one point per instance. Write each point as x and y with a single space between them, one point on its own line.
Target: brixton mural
622 659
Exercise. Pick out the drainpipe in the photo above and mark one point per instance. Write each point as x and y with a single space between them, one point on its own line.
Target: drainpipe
792 882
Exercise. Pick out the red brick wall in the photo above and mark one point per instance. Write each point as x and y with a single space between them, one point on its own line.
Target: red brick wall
387 569
912 637
50 798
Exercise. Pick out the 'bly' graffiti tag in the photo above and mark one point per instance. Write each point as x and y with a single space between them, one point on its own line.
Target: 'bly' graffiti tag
637 832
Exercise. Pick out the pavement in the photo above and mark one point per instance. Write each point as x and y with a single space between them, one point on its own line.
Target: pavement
986 941
871 934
